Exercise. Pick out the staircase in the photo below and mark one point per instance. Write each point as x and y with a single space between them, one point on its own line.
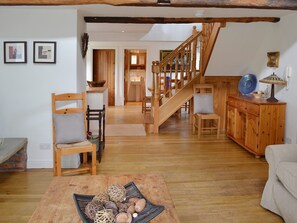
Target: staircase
175 75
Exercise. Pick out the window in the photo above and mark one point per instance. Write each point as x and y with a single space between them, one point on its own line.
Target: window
137 60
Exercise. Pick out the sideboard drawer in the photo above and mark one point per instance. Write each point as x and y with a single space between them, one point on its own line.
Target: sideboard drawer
232 102
253 109
241 106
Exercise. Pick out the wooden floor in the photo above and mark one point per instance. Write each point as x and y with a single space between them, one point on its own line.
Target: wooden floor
210 181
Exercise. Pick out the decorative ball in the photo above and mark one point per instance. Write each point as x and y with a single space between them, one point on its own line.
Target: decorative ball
102 198
140 205
122 207
124 218
116 193
131 209
92 208
104 216
112 206
133 200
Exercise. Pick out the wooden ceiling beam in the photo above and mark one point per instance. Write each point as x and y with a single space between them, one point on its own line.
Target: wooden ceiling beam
162 20
260 4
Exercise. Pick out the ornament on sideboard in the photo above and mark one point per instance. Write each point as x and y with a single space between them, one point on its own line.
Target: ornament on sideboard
84 44
273 79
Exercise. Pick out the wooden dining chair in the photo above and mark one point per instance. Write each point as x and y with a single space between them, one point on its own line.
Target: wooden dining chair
205 119
69 132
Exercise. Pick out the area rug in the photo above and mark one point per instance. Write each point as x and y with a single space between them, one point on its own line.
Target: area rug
125 130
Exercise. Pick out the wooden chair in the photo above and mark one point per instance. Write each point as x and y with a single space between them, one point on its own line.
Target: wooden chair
99 140
204 117
146 104
64 144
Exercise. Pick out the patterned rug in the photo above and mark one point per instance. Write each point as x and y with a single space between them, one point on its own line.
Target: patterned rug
125 130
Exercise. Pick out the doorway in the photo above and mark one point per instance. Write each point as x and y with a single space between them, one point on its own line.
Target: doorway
104 69
134 75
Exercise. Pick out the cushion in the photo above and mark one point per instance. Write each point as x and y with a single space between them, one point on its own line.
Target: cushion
69 128
287 174
203 103
78 144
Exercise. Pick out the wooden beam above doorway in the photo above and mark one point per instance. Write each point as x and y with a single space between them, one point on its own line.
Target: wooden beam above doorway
162 20
259 4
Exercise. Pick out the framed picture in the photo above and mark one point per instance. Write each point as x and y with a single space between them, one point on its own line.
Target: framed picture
164 53
273 58
15 52
44 52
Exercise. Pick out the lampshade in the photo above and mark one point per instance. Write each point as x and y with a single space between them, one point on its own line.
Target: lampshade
273 79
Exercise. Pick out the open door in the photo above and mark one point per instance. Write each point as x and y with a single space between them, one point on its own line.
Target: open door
134 75
104 69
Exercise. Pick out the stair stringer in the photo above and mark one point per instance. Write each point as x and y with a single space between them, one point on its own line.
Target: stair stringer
174 103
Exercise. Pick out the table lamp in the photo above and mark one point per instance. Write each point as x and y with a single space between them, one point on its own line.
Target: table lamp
273 79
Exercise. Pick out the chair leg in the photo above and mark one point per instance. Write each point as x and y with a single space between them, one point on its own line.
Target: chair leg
59 166
218 126
85 158
55 161
143 106
199 127
194 125
94 159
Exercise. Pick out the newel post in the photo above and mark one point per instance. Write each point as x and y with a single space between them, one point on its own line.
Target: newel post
156 93
194 52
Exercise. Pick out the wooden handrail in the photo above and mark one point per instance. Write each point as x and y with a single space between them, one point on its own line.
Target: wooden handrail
188 41
210 33
177 67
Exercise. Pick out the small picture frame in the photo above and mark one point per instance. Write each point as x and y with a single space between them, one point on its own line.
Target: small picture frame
44 52
273 59
15 52
165 53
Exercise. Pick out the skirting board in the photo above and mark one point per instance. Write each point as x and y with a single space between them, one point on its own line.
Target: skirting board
69 161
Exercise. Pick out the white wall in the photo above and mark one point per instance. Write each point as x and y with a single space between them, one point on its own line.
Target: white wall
81 62
25 89
242 49
238 46
153 53
285 41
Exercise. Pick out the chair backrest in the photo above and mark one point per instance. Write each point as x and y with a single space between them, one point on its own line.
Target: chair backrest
203 88
68 103
203 98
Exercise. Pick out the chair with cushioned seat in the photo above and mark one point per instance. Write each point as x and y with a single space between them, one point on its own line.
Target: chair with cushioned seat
69 132
204 117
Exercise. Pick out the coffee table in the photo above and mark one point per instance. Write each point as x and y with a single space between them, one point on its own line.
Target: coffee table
57 203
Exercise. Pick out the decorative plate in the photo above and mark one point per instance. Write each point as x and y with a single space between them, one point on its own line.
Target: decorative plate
247 84
147 214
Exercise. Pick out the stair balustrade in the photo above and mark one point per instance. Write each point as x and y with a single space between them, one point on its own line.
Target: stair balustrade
174 76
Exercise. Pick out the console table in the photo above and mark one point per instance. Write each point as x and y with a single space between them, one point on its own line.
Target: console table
255 123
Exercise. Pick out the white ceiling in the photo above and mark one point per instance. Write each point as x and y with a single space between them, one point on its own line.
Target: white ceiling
107 31
175 12
142 31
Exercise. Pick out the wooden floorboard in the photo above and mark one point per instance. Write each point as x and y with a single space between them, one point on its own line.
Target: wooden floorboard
209 181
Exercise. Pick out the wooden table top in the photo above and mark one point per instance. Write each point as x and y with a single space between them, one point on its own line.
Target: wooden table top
57 203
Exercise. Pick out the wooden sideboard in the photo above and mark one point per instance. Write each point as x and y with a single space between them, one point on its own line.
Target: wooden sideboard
254 123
